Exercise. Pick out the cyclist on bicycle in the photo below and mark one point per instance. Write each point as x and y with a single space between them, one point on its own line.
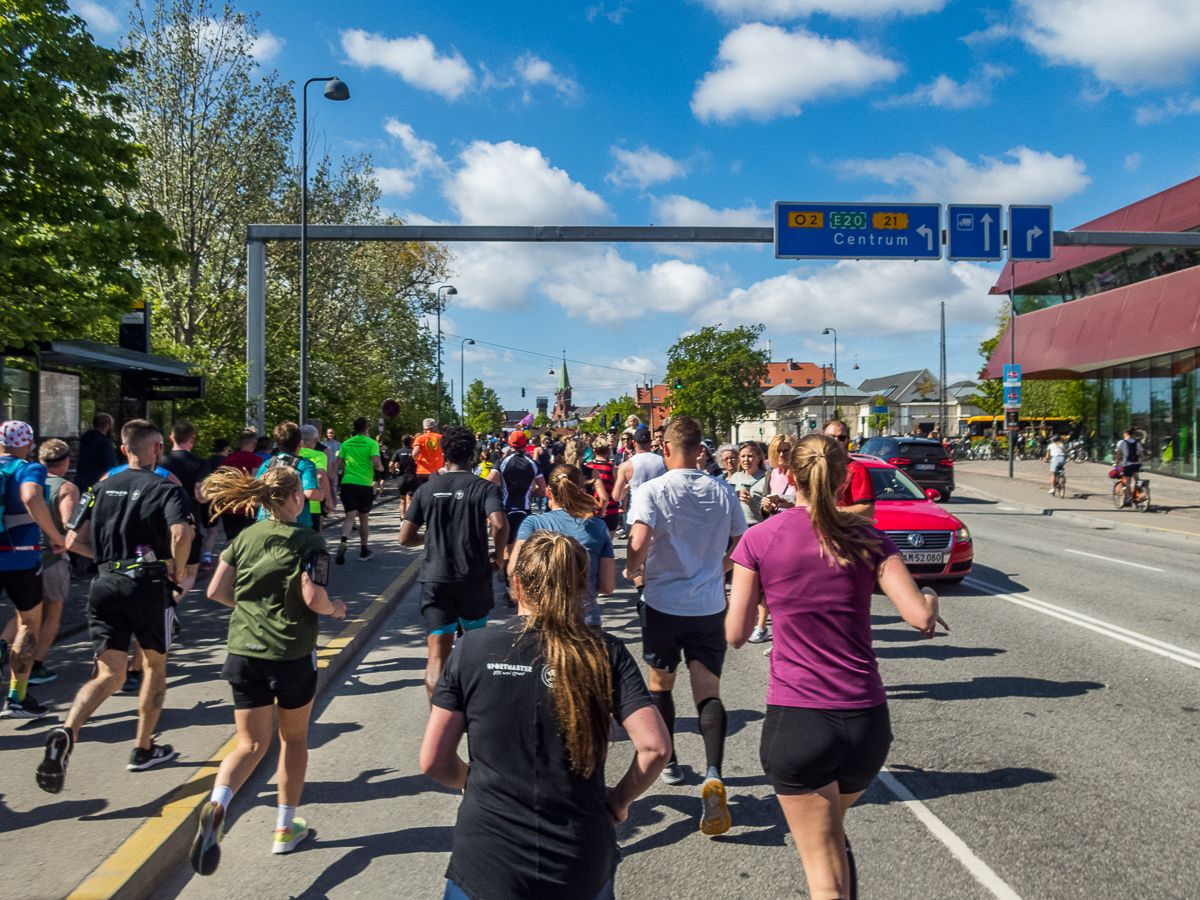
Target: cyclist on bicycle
1058 460
1130 452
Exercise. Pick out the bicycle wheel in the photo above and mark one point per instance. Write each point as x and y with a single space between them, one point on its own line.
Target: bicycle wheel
1118 494
1143 501
1060 485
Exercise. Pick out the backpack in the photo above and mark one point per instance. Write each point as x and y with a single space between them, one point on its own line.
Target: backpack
7 471
1132 455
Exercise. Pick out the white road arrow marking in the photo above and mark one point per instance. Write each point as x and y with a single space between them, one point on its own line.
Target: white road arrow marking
1029 236
928 235
986 219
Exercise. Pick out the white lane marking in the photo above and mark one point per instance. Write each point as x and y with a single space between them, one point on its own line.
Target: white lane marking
1008 508
977 867
1141 641
1111 560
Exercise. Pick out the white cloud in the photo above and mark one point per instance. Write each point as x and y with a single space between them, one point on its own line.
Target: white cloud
533 70
510 184
1132 162
859 297
97 16
1132 45
1030 176
679 210
786 10
424 158
266 46
643 167
1169 109
615 15
394 181
767 71
414 59
947 93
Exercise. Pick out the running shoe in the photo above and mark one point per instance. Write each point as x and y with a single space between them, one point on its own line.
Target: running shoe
672 774
140 760
759 634
206 846
133 682
340 559
52 771
206 563
287 839
364 554
41 675
176 630
28 708
714 819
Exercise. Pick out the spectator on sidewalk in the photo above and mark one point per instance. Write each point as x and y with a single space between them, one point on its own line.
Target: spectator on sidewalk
96 453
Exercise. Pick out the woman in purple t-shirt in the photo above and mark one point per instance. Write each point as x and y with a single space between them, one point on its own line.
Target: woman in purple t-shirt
827 731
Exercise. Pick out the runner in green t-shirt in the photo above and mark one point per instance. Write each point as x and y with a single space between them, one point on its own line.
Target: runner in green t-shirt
308 450
273 575
358 461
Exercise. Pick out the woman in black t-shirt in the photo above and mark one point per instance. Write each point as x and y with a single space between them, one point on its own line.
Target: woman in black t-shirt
536 821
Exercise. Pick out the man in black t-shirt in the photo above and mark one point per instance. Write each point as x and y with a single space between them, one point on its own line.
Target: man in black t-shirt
137 526
456 572
190 470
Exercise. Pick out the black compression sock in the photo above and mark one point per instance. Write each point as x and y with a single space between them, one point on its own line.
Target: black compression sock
664 702
713 723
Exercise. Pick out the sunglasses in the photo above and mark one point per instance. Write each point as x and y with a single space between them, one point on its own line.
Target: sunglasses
841 438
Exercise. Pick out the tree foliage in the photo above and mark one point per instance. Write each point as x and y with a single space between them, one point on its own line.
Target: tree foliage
614 413
69 242
718 374
482 408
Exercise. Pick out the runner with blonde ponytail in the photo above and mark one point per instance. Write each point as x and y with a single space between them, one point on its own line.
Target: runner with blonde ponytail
827 731
536 821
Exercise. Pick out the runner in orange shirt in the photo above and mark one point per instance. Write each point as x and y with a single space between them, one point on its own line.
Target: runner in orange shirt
427 451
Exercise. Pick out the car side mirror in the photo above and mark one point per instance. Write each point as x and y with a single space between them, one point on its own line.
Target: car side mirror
932 494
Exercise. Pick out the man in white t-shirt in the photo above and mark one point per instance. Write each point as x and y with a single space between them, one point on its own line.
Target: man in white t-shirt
684 526
1058 458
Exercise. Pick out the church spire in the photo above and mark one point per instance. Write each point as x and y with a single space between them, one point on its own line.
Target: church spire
564 382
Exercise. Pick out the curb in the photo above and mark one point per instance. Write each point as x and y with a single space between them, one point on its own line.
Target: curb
1080 518
150 853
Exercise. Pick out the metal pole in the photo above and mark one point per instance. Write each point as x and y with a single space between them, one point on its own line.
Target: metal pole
462 378
1012 358
942 378
304 252
439 357
256 334
835 405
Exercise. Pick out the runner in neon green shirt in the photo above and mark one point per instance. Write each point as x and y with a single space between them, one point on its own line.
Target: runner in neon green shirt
358 461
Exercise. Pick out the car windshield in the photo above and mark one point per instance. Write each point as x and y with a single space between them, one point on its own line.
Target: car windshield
892 484
921 452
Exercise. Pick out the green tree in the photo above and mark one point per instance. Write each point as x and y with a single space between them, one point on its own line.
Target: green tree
541 420
69 246
880 422
715 375
482 408
615 412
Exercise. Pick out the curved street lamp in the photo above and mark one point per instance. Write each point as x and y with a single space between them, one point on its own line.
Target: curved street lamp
834 332
462 378
450 292
335 89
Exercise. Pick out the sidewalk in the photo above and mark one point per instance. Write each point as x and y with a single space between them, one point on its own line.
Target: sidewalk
64 837
1087 481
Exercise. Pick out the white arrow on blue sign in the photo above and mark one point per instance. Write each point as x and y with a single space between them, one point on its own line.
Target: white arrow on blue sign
1030 233
973 232
858 230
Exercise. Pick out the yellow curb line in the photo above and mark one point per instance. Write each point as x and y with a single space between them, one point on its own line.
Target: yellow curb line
170 830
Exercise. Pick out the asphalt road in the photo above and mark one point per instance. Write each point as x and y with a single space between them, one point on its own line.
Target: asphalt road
1051 756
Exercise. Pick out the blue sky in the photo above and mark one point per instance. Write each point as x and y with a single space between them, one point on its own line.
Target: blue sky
699 112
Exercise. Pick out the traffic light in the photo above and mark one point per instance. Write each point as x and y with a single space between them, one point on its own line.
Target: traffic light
678 383
812 424
522 392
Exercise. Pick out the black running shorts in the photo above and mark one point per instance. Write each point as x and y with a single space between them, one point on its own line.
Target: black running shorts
803 749
357 498
515 518
120 608
443 604
262 682
612 521
23 586
407 484
699 638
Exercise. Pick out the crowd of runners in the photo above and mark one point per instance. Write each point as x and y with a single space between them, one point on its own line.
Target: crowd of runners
718 539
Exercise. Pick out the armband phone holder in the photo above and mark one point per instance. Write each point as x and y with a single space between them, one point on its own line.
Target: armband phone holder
317 567
81 509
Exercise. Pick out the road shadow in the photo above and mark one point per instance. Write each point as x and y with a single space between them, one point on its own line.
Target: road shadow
11 820
1000 582
940 652
736 720
992 688
364 850
959 500
927 784
368 786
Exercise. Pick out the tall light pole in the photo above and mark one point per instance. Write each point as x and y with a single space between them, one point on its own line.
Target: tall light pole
450 292
462 378
834 332
335 89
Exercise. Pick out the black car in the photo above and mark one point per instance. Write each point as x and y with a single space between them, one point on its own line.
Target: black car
924 461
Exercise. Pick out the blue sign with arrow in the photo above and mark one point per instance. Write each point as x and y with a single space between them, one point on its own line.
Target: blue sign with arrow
858 230
1030 233
973 232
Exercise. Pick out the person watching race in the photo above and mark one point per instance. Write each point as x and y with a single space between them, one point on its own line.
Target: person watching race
273 577
781 494
827 731
536 821
857 493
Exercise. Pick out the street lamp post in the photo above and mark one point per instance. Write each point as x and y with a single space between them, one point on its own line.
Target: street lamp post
450 292
834 332
462 378
335 89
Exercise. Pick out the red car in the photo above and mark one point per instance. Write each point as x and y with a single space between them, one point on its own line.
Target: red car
936 545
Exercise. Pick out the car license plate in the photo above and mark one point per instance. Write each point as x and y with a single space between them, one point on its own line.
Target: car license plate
926 466
927 556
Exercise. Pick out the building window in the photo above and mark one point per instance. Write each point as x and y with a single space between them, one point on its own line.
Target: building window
788 380
658 399
766 381
808 381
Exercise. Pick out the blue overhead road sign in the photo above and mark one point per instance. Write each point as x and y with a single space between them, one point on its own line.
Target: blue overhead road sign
858 230
973 232
1030 233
